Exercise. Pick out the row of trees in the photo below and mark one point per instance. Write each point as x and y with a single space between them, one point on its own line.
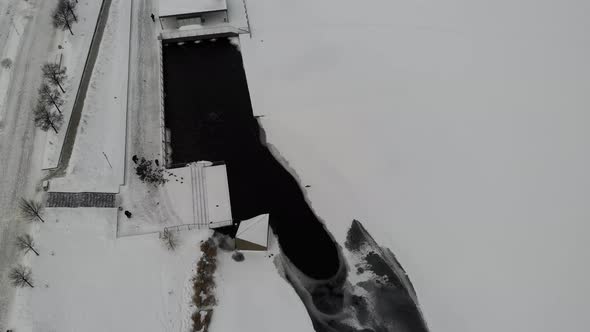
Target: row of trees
54 75
50 97
64 15
20 275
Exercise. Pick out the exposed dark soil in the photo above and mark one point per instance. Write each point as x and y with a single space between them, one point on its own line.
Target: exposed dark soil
209 114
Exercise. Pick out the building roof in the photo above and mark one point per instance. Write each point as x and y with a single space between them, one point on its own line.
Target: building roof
254 230
183 7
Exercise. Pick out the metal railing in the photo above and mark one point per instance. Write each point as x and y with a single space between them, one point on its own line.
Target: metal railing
184 227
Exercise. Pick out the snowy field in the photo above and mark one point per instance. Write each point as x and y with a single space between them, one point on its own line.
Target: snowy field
85 280
252 296
456 131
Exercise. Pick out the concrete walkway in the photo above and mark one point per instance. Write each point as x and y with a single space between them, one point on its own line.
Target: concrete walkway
150 205
74 200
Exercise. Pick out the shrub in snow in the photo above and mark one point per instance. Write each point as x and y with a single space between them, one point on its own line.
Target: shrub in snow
201 320
238 256
203 282
148 172
169 239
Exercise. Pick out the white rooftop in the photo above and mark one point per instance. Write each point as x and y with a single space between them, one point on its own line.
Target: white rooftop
254 230
181 7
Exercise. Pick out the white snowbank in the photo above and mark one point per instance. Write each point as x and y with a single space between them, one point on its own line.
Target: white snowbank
179 7
253 297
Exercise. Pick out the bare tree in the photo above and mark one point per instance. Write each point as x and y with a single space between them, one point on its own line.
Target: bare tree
63 17
50 96
46 119
20 276
71 5
55 74
169 239
26 244
31 209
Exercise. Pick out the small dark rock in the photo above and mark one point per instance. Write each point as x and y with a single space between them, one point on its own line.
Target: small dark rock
128 214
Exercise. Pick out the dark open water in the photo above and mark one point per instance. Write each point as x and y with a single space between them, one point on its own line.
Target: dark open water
209 113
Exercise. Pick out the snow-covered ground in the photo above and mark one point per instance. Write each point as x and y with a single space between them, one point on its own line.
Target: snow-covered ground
13 22
99 150
456 131
149 205
73 56
86 280
252 296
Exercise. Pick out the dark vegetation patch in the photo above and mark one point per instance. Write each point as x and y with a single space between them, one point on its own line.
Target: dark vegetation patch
204 286
201 320
379 266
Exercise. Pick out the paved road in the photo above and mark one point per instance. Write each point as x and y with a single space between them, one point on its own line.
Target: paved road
17 137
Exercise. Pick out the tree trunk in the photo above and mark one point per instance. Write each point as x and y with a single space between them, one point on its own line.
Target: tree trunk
69 27
36 213
55 104
28 283
71 11
59 84
35 251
